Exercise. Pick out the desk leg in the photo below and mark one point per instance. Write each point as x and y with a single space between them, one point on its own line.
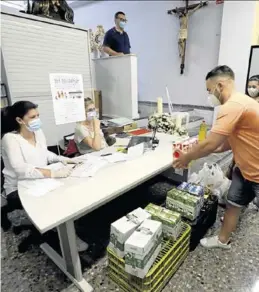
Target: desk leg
70 263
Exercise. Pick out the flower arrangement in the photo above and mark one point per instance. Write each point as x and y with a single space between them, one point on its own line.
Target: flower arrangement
165 123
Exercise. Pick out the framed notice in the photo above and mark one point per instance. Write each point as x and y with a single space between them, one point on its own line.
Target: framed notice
68 98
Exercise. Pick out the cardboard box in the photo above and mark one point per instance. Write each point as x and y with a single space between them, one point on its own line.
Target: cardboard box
142 248
186 204
122 229
130 127
171 221
185 210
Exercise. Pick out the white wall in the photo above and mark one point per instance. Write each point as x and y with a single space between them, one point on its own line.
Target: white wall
153 34
236 38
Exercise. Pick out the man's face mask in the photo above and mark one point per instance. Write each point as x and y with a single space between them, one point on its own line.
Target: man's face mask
122 24
214 98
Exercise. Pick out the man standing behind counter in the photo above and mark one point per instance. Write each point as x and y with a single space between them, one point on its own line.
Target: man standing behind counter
116 41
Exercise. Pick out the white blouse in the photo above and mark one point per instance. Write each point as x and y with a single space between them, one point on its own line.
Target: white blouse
22 158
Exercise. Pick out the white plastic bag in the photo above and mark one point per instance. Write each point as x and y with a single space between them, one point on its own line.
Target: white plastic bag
212 176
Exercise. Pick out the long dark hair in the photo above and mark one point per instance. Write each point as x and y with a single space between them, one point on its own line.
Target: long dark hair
10 113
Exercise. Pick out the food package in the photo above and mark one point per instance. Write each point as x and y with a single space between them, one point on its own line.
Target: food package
186 204
171 221
185 145
122 229
142 248
193 189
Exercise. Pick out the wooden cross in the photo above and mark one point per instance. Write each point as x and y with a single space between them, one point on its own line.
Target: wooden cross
183 13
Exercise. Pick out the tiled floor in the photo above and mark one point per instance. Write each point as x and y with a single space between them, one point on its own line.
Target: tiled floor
235 270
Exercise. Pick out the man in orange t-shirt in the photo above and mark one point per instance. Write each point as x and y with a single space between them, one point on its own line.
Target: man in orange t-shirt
236 128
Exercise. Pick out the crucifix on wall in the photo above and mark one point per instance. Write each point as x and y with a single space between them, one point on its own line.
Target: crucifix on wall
183 13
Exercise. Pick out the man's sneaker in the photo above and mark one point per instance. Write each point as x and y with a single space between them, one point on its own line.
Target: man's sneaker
213 242
81 245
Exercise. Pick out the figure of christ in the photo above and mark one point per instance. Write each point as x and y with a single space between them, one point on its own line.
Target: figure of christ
183 13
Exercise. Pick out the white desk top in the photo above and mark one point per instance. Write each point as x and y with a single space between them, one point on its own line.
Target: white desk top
80 196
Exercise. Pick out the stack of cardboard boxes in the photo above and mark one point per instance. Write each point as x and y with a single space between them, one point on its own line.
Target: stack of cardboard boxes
170 220
138 236
187 199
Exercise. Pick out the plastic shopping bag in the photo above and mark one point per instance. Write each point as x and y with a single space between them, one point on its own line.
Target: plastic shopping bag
212 177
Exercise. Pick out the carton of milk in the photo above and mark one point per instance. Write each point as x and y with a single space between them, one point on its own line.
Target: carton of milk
187 205
124 227
171 221
142 248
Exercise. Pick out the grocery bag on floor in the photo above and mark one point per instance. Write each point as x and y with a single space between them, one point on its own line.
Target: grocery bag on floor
212 177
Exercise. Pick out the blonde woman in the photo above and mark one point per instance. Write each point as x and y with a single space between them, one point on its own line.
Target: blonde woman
88 134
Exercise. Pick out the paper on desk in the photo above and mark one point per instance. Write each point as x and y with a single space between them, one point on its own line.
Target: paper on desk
40 187
120 142
116 157
89 167
136 151
121 121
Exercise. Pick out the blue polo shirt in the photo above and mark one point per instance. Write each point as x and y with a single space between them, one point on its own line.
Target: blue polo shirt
119 42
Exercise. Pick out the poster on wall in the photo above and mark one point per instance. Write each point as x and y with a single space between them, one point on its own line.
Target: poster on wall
68 97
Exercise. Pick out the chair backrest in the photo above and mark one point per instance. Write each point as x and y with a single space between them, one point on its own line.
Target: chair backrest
71 149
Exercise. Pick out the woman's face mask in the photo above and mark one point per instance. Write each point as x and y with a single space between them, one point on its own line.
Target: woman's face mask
253 92
253 88
91 115
34 125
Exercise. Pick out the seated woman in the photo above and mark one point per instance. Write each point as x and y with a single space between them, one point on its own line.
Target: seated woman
25 154
253 87
88 134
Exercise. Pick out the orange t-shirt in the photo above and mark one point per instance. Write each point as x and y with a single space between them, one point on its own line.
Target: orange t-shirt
238 119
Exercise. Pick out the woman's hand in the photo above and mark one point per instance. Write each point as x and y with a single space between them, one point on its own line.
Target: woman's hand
97 124
61 173
182 160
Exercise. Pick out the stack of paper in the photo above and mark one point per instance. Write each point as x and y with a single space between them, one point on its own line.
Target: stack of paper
116 157
88 168
121 121
40 187
136 151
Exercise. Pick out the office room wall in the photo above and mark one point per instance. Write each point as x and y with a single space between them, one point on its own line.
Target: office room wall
236 38
154 35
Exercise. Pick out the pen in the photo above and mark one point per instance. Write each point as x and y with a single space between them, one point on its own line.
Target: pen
106 154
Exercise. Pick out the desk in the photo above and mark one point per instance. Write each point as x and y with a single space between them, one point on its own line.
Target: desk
77 197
